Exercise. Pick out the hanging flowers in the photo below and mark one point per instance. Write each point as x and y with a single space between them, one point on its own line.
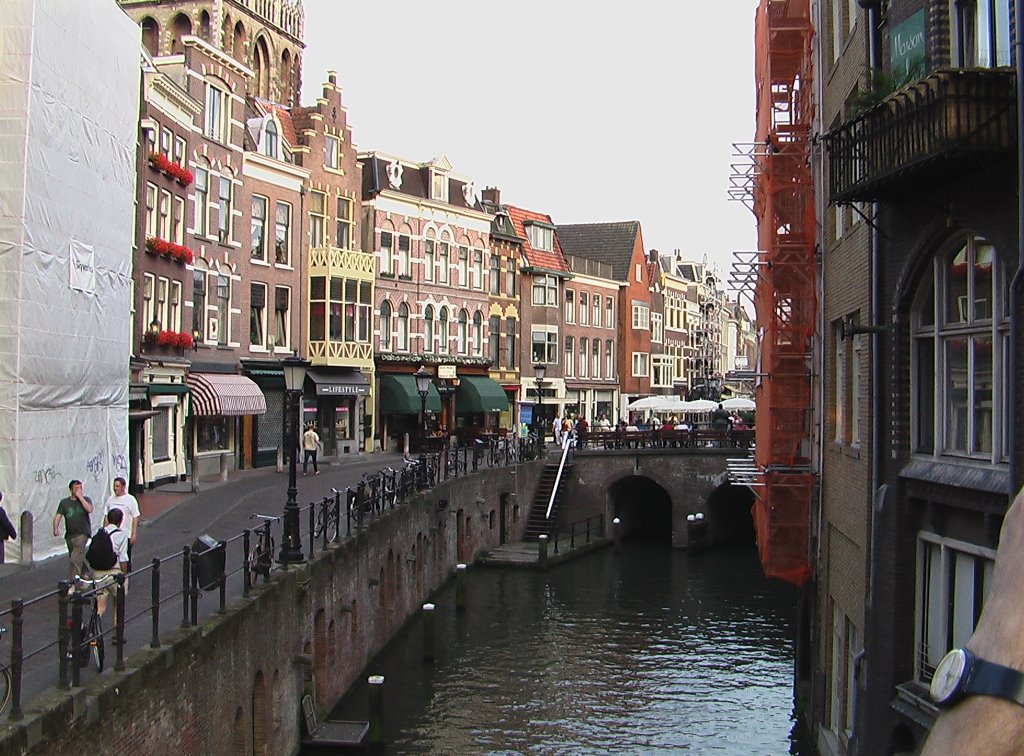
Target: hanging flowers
179 253
169 168
170 339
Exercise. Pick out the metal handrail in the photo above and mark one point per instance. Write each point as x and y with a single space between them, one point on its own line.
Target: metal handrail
568 443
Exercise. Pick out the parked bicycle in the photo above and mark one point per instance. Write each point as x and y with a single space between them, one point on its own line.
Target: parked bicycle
85 591
261 555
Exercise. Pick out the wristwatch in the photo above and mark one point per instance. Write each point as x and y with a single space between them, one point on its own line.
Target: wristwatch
961 673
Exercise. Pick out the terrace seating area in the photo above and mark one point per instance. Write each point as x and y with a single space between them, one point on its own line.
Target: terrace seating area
660 439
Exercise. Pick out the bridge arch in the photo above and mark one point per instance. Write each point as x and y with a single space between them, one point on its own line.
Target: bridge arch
729 514
644 507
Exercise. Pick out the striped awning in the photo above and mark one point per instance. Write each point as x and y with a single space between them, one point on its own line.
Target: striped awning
225 394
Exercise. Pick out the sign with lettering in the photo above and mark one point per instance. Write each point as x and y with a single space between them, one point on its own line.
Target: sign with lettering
446 371
908 48
82 264
342 389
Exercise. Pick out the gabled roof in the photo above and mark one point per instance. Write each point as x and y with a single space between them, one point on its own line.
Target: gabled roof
607 242
284 116
537 258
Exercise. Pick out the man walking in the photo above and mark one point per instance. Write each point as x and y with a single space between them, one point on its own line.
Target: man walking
129 507
75 509
310 445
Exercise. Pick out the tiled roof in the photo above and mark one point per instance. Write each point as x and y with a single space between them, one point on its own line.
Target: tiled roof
608 242
265 107
537 258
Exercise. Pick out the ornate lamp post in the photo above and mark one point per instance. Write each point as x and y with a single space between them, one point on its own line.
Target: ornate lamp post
422 377
539 371
291 542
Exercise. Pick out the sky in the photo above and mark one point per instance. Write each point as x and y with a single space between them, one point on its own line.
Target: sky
588 111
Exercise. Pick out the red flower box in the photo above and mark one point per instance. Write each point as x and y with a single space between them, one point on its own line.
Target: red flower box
185 340
167 338
177 252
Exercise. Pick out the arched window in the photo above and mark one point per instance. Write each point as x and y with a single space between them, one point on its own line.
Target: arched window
151 35
443 333
597 358
286 82
181 26
428 329
961 346
261 67
270 141
494 332
609 359
478 333
584 344
385 326
462 335
403 327
204 26
238 42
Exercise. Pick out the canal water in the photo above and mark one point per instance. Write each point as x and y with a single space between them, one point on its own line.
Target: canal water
651 651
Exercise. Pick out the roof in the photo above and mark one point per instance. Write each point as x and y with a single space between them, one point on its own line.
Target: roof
284 116
415 179
537 258
612 243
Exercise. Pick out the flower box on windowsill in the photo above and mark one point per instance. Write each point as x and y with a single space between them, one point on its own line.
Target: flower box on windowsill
169 339
404 277
387 275
179 253
169 168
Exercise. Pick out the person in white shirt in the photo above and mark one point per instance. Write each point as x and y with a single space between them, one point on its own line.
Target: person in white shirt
130 512
310 445
119 540
556 429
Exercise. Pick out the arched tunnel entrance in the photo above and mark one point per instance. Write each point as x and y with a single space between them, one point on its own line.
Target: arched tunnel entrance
729 516
644 507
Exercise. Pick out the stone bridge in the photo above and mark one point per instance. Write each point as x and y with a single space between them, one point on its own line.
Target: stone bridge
652 490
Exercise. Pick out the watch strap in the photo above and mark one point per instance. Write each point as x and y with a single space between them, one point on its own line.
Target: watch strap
990 679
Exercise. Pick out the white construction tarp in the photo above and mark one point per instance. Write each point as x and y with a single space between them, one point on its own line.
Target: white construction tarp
69 102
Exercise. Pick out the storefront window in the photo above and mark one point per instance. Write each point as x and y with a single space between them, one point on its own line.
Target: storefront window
161 435
212 434
343 417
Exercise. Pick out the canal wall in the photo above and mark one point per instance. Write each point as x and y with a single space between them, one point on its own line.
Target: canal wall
234 683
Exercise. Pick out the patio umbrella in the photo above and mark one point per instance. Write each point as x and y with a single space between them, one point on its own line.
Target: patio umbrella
647 402
739 403
698 405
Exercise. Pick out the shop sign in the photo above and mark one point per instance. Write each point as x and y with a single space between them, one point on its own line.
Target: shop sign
341 389
446 371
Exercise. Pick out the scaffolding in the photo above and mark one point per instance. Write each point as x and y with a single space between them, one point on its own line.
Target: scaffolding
783 284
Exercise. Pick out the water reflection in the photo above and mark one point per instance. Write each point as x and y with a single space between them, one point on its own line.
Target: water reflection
650 651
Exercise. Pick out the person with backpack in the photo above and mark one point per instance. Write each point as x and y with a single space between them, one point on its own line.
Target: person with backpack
107 554
75 510
129 507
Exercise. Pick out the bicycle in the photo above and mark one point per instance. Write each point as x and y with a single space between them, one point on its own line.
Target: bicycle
91 636
261 556
6 684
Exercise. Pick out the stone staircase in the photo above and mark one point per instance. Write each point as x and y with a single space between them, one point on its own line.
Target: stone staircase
537 523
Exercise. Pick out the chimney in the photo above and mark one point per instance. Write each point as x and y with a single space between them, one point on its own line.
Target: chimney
332 77
491 194
654 255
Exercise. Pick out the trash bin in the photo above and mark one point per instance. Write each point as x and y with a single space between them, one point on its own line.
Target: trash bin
209 559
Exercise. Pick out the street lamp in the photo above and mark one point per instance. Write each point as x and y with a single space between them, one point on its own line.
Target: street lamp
291 542
538 371
422 377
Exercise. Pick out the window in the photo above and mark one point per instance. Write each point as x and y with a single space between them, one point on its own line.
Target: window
443 262
258 228
494 326
657 327
662 370
386 262
641 317
257 314
174 307
495 271
595 316
584 357
438 186
584 308
609 360
545 346
160 307
213 433
317 308
282 323
151 140
596 357
332 151
837 28
161 432
198 303
570 306
345 221
152 220
478 269
178 221
609 313
165 215
148 309
545 291
429 259
855 363
953 582
283 234
335 323
385 326
202 199
639 273
179 150
959 354
404 261
511 330
216 113
463 267
403 327
478 333
358 311
443 332
224 204
510 277
640 364
428 329
983 33
570 357
462 333
540 237
317 220
165 142
270 141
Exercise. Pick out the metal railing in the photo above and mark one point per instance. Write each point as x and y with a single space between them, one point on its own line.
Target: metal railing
583 530
199 578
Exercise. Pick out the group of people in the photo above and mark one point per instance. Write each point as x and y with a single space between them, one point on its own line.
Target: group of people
566 426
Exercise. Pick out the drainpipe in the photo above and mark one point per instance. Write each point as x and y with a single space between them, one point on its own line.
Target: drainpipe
1014 366
821 204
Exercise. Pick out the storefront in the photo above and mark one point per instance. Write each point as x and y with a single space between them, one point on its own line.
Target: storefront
219 402
478 402
400 408
262 434
158 405
337 401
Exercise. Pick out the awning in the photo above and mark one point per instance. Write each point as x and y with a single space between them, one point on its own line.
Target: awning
398 396
341 383
163 389
478 393
225 394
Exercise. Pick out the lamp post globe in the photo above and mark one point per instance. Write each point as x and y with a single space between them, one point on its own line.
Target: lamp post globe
294 368
422 377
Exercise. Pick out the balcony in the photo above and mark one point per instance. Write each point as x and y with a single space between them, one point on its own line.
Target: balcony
950 118
341 304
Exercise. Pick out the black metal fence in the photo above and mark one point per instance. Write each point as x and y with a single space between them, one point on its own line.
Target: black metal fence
202 575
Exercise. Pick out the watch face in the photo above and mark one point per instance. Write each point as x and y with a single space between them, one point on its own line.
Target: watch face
946 679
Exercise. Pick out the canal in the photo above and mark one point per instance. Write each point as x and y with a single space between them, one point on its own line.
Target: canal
652 650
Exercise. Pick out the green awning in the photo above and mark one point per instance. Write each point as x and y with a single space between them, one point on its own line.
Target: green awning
478 393
163 389
398 396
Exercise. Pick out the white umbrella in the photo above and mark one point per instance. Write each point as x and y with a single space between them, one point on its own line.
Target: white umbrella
698 405
668 404
647 402
739 403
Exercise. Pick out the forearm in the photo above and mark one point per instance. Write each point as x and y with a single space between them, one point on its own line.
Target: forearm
56 525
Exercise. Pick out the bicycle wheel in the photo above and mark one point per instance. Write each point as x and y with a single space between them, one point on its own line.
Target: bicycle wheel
96 641
5 691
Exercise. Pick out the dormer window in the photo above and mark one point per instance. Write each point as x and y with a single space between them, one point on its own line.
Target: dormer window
540 237
438 186
270 139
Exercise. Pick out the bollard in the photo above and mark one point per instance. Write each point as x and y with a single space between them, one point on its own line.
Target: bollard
460 587
617 535
195 474
224 456
280 458
376 683
542 552
26 537
405 445
428 632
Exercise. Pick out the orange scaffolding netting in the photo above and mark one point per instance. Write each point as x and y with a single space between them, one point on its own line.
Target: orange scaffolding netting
784 296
